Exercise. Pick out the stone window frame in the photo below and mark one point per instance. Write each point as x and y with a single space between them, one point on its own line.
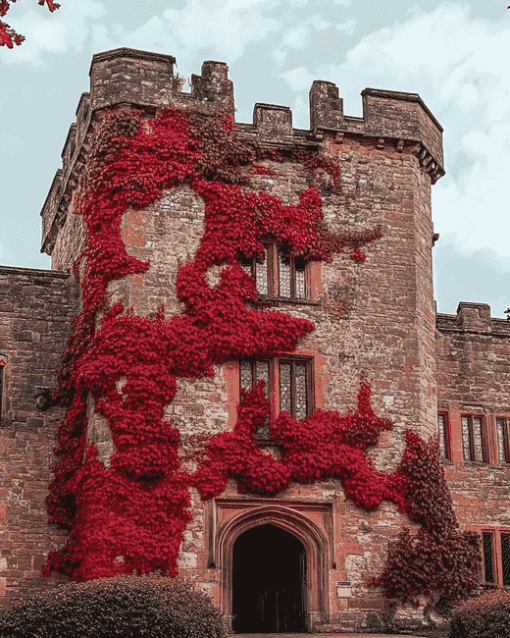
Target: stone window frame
500 570
471 430
446 436
489 534
272 283
273 392
3 365
506 441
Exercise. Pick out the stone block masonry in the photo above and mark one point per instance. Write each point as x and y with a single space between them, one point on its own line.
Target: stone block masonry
36 311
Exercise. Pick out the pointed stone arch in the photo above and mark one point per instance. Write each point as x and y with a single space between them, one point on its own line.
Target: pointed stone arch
299 525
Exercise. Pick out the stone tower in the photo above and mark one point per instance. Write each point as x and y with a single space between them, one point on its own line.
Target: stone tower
374 321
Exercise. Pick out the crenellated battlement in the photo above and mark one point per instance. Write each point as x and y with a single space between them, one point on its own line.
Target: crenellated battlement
472 318
141 78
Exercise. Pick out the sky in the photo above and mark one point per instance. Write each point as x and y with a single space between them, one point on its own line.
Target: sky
455 55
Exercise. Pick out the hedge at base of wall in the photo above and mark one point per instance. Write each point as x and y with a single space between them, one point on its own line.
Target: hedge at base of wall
152 606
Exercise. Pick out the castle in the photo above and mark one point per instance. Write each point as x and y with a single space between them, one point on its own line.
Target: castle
374 323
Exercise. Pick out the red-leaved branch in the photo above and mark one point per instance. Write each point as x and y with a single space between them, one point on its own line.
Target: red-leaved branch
8 36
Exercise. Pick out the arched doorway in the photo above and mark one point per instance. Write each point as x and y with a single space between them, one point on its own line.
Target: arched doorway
269 582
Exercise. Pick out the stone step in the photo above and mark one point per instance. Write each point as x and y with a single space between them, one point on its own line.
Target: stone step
346 624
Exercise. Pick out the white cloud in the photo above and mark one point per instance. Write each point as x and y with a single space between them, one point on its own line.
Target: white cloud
145 37
347 26
63 30
227 27
301 111
480 142
461 65
468 97
299 79
297 37
278 56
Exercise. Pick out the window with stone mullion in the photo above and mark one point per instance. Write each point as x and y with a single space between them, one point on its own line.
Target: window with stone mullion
288 281
503 442
295 383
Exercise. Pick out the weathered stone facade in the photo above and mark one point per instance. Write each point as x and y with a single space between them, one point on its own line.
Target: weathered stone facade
36 312
378 319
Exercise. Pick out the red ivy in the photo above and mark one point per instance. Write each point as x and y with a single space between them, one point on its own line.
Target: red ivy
132 515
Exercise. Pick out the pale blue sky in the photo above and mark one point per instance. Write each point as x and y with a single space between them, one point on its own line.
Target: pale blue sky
454 54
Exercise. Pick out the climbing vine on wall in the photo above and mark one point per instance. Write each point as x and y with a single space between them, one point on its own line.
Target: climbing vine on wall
132 515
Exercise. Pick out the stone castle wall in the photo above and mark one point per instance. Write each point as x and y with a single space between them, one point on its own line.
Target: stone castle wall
473 353
377 318
36 311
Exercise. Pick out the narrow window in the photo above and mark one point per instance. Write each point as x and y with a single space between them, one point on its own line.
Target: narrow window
503 448
488 556
291 275
300 275
1 387
261 274
479 452
286 388
466 439
505 556
295 389
262 372
258 269
444 452
284 272
252 372
246 376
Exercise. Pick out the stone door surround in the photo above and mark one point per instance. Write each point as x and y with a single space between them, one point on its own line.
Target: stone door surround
310 522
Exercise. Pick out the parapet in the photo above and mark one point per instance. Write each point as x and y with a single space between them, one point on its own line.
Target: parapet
472 318
405 116
326 108
141 78
272 121
130 76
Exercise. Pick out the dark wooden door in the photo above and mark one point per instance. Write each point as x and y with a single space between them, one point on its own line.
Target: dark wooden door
269 582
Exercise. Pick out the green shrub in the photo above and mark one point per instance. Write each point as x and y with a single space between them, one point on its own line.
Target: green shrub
487 616
149 606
